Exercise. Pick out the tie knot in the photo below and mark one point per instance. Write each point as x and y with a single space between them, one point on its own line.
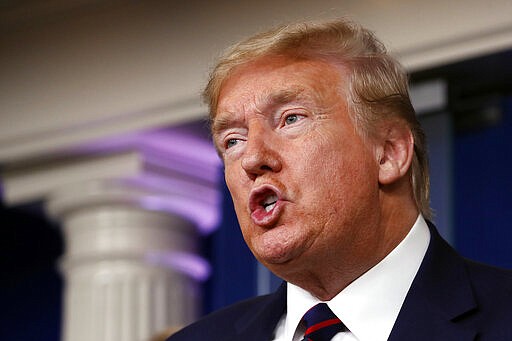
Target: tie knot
321 323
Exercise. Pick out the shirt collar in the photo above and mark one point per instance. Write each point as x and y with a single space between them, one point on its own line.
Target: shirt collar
375 298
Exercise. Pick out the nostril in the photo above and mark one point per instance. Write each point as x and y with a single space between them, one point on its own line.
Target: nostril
260 158
260 165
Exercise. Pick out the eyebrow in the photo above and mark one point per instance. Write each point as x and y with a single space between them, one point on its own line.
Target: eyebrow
283 96
221 122
270 101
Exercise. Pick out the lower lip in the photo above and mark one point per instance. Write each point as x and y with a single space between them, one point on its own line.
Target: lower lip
266 219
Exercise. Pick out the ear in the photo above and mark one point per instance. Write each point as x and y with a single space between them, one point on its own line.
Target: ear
395 152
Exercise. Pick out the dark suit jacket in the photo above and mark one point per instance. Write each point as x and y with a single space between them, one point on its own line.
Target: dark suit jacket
451 299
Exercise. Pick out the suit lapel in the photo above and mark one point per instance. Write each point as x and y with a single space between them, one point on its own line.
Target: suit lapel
259 324
439 296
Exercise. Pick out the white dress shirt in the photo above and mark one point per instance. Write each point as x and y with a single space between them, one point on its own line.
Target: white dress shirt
369 306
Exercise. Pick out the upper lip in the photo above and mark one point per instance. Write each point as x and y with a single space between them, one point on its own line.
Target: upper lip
258 196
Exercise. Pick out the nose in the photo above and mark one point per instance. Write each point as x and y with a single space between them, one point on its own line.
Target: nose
261 154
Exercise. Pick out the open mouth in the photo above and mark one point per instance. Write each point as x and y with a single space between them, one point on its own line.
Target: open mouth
265 205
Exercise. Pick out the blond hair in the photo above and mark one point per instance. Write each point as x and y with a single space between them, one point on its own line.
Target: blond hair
377 89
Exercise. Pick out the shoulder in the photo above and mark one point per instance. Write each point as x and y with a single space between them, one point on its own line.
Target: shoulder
474 295
492 290
491 285
222 324
485 280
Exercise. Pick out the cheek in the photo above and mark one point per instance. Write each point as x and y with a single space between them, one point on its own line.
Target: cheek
338 171
323 160
232 176
233 182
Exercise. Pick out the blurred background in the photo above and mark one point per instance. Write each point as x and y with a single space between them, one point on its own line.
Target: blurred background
115 222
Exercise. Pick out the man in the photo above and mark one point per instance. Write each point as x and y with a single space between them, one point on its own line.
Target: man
327 167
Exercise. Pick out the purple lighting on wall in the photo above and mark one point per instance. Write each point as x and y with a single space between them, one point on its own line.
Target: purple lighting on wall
179 173
203 215
192 265
172 148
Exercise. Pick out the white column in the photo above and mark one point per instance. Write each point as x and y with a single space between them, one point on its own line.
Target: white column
131 221
130 272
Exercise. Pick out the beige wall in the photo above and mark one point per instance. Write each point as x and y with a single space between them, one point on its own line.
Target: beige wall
74 74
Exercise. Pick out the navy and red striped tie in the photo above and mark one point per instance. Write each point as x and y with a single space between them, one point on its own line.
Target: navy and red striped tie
321 324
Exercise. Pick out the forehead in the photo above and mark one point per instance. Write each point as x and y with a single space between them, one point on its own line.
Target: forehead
271 81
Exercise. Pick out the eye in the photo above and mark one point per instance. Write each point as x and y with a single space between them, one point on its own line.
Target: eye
231 142
291 119
230 139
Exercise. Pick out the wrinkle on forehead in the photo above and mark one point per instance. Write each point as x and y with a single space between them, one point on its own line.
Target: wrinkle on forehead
317 94
269 102
262 103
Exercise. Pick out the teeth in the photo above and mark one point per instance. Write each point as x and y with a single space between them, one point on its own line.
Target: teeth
270 202
270 207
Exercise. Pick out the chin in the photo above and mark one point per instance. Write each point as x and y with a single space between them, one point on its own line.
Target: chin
272 259
279 260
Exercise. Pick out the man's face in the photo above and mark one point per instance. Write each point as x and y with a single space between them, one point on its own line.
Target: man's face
304 183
